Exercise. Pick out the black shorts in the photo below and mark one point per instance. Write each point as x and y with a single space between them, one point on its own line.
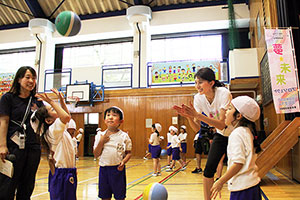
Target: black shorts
201 146
198 147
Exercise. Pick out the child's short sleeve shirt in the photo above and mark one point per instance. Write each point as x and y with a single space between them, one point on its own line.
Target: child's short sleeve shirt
114 150
240 150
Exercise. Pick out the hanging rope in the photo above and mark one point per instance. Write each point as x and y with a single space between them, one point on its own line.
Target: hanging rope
234 41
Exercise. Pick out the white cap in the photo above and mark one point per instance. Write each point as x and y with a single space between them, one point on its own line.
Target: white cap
71 124
98 129
157 127
173 128
80 130
119 110
183 127
247 106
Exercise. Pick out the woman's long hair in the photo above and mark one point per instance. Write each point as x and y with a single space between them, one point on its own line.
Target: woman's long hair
208 75
16 87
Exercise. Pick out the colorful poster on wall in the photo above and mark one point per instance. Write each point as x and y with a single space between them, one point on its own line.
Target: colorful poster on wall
177 72
6 80
282 64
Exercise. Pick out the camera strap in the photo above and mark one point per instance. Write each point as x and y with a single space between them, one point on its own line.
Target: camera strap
22 124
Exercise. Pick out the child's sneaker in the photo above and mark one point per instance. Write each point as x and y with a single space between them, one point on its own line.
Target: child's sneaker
169 170
197 171
158 174
154 174
145 158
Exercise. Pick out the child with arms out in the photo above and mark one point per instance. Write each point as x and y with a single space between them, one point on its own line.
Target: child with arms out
113 147
242 176
52 123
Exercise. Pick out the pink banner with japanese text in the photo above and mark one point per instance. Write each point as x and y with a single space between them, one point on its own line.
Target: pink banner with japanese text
284 78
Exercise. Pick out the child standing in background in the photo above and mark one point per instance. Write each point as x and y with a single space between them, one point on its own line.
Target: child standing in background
50 123
182 137
113 147
169 148
155 148
176 149
242 175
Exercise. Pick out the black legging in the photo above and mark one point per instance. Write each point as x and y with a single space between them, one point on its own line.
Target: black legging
25 168
217 149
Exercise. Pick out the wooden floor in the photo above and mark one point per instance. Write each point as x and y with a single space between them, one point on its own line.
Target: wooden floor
179 184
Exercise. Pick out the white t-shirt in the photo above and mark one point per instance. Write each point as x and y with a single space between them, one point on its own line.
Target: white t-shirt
169 136
175 141
154 139
114 150
240 150
221 101
62 144
182 137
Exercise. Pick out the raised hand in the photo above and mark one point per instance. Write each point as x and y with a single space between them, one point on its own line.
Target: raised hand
43 97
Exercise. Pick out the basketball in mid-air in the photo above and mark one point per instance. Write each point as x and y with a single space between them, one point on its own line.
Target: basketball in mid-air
68 23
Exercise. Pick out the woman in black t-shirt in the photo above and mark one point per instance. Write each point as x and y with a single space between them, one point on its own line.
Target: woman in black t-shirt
17 137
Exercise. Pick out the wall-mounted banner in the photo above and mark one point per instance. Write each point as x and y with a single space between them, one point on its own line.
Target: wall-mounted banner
282 64
6 80
180 71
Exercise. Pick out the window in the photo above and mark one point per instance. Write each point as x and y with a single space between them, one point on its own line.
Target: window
97 55
11 62
208 47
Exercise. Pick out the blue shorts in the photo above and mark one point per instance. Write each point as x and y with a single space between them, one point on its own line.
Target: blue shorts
252 193
112 181
63 184
183 146
155 151
175 153
169 150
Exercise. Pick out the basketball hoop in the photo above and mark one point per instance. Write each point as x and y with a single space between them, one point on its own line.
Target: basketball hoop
73 100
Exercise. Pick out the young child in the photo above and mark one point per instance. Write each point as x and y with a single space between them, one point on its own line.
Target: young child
169 148
182 137
50 123
176 149
113 147
155 148
242 176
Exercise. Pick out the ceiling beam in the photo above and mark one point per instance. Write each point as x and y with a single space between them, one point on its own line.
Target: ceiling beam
35 8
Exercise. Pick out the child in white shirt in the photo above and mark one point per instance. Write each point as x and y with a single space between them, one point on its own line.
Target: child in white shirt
176 149
242 175
113 147
182 137
154 141
51 123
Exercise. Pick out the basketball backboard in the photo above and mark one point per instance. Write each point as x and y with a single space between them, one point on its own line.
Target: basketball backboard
78 91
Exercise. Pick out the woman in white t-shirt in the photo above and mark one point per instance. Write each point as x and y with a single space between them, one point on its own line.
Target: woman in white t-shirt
212 99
